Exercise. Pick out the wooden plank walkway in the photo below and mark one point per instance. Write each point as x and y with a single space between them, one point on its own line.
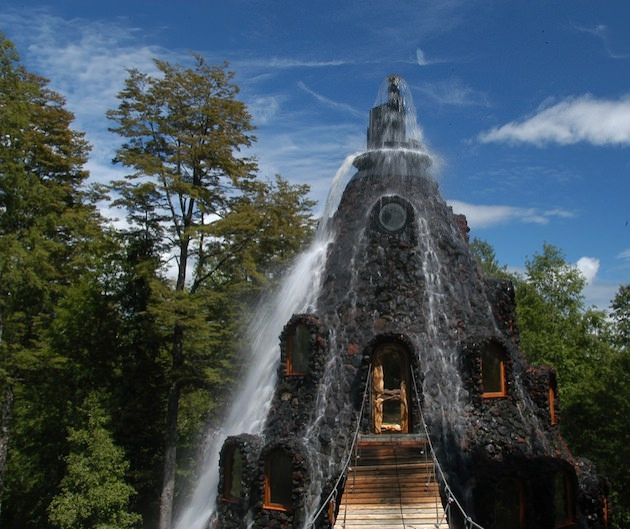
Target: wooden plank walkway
392 486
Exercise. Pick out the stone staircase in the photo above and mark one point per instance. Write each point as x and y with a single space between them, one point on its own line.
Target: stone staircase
391 486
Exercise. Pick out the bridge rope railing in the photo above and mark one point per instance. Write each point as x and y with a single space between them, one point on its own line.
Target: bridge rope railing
334 492
451 499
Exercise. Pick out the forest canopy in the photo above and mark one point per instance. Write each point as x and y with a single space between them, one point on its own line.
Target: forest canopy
117 345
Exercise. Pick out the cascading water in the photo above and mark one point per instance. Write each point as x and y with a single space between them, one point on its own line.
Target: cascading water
297 293
442 385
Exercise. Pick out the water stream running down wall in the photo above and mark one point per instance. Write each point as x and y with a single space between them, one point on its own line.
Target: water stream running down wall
297 293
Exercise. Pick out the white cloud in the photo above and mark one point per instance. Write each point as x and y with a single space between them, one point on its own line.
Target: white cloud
330 103
288 63
299 63
600 31
263 108
453 92
624 255
588 267
578 119
482 216
562 213
86 62
420 57
596 293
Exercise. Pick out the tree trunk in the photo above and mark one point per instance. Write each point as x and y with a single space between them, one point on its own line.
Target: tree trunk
170 458
170 435
7 413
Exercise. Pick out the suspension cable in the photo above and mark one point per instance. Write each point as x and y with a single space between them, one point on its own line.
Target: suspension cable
451 499
333 493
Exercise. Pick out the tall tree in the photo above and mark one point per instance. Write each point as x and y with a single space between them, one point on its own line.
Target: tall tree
94 491
106 342
44 222
550 306
200 203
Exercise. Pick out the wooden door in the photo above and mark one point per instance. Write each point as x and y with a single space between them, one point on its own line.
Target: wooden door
390 390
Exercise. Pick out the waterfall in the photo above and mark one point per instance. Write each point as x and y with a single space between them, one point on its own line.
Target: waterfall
297 292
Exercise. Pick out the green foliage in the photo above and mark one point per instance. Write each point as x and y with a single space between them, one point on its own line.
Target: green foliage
621 315
111 345
592 360
94 493
42 218
182 130
49 236
555 329
78 353
615 410
267 226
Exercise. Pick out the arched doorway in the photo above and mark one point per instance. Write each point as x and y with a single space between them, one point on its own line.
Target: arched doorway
390 389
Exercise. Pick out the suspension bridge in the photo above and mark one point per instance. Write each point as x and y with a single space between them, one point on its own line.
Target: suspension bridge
391 485
393 481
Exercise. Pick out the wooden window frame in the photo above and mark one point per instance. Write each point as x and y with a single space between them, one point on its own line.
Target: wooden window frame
289 350
503 392
267 504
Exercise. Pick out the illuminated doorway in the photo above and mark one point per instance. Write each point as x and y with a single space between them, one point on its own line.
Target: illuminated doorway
390 389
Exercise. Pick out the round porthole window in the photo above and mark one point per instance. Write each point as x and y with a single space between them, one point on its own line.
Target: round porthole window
392 216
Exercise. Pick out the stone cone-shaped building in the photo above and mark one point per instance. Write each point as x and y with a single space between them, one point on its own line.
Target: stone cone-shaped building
407 340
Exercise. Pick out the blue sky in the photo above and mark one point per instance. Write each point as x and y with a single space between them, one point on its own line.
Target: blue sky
525 105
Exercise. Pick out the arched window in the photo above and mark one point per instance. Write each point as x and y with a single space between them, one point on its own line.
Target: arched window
278 481
298 350
232 474
509 504
563 500
493 371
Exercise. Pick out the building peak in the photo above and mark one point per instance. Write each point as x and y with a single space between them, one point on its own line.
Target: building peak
393 119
